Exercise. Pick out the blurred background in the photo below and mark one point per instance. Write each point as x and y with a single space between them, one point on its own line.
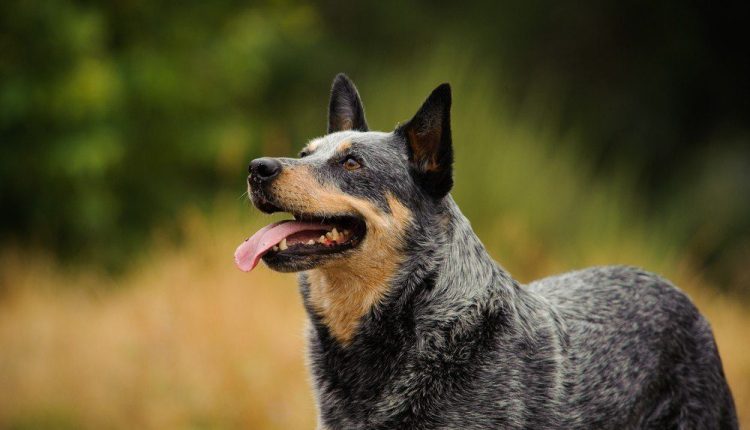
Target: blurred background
588 133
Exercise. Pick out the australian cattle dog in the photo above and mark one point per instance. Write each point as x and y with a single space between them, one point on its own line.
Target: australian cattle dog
414 326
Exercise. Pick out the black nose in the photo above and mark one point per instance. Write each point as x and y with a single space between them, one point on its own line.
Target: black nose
264 168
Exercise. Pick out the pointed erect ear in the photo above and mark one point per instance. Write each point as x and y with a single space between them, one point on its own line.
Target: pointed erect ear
428 137
345 111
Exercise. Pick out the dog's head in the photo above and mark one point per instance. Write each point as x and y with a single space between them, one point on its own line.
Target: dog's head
354 193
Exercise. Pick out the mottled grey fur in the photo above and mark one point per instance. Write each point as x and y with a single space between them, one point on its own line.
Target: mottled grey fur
457 343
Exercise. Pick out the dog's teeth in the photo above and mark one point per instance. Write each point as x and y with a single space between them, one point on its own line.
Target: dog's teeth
311 242
275 248
346 232
329 235
322 239
335 234
282 245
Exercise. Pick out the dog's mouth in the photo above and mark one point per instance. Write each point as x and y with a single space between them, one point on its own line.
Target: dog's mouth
301 243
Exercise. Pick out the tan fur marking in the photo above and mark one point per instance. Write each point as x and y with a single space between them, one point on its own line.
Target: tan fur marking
344 146
312 146
345 290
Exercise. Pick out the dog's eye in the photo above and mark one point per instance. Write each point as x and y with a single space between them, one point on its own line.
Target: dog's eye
303 153
350 164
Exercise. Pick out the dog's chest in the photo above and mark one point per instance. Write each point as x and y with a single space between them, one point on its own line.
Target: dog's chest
395 387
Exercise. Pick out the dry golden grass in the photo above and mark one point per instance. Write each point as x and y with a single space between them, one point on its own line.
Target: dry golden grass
187 341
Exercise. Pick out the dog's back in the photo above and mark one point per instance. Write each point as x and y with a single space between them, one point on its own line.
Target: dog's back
638 350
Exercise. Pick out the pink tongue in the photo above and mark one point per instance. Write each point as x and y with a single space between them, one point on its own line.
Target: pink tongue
252 249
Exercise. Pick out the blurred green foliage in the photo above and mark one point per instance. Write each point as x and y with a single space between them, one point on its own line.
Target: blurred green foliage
114 116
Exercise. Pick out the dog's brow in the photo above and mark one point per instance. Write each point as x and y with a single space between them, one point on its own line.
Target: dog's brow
312 146
344 146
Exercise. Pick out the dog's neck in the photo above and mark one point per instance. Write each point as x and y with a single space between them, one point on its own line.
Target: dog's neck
446 302
441 262
468 284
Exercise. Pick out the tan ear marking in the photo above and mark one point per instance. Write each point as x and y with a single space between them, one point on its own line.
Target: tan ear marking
424 149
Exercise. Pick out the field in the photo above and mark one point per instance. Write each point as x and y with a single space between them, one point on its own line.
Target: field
187 341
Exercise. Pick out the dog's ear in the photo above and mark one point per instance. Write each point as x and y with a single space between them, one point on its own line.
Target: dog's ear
345 110
428 137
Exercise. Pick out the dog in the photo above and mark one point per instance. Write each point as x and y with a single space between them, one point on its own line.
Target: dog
414 326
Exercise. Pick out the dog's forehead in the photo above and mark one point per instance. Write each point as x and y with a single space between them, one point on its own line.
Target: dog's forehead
328 145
